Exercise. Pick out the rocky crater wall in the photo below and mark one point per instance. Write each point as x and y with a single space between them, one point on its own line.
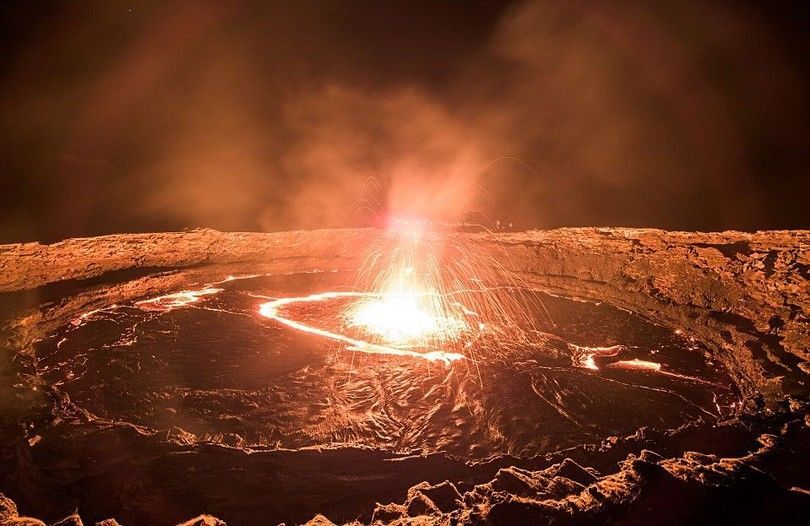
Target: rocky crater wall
747 295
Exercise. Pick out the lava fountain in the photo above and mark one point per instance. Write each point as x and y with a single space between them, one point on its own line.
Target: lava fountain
418 294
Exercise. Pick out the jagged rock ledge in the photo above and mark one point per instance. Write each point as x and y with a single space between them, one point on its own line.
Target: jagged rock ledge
646 489
9 516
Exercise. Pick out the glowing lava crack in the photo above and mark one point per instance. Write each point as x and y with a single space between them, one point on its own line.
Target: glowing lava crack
399 320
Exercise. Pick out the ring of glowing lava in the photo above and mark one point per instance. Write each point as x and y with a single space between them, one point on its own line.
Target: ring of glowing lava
397 319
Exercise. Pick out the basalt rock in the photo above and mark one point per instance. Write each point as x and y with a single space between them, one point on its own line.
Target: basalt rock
694 488
10 517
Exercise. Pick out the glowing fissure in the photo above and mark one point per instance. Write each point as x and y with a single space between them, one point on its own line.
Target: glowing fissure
178 299
635 363
271 309
585 356
401 320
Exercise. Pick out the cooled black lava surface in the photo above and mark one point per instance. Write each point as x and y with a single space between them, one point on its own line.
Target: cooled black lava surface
158 413
218 372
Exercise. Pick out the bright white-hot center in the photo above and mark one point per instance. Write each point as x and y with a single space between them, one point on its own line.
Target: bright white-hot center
403 318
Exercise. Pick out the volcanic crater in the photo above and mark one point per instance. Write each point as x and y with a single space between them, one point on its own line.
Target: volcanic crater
146 380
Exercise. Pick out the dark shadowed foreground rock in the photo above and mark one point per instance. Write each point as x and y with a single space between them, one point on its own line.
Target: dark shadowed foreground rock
646 489
746 296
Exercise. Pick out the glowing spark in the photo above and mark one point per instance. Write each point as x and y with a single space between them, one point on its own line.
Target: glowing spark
406 307
422 290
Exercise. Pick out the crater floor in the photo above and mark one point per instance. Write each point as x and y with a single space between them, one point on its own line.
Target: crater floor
214 371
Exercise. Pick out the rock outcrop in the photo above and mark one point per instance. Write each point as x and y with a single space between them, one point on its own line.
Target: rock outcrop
647 489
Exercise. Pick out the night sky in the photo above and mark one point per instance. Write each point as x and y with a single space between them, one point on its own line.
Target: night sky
153 116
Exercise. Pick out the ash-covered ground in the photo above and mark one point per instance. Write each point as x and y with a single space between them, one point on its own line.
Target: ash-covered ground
121 398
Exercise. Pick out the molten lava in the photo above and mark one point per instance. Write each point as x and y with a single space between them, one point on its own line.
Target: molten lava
406 310
274 310
395 318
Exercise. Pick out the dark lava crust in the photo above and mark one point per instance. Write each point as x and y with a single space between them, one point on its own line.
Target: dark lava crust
744 296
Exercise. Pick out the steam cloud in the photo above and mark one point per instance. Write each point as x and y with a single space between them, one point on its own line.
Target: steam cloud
278 117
